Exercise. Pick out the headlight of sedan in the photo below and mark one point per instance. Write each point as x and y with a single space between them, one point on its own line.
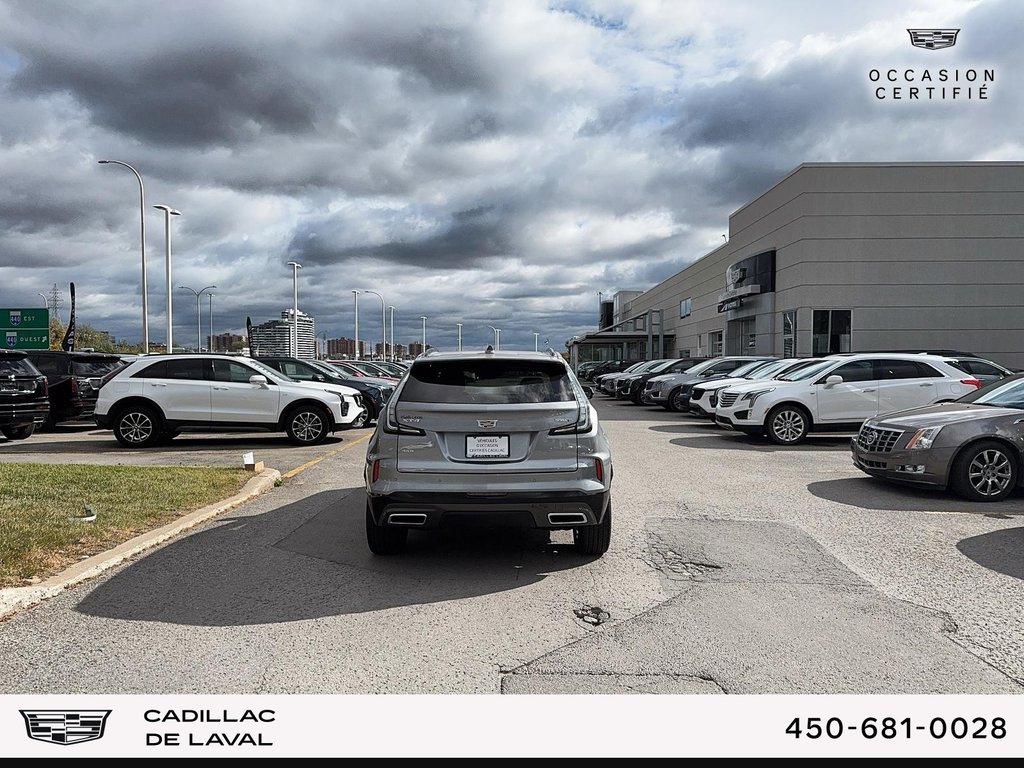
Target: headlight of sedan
750 397
923 438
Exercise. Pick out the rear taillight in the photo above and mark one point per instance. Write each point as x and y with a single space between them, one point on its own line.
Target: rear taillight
582 424
392 427
972 382
74 385
376 470
599 469
43 386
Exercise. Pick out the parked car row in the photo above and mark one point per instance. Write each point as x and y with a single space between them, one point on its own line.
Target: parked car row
951 420
148 398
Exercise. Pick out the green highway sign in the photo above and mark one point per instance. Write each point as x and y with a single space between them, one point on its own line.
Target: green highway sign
25 328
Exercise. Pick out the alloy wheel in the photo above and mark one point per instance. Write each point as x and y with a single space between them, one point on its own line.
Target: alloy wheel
788 426
990 472
136 427
307 426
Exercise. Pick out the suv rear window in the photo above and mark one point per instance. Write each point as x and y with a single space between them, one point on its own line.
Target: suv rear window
94 367
488 381
16 366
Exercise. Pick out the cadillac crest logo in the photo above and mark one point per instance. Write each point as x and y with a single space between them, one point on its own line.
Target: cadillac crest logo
933 39
59 726
487 423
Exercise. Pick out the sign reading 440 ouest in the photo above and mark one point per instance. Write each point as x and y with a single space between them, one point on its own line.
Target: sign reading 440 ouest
25 328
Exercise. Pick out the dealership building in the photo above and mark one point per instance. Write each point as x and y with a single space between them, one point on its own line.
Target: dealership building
841 257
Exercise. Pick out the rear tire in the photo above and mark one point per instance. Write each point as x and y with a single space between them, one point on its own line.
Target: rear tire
594 539
382 539
307 425
985 471
137 426
18 433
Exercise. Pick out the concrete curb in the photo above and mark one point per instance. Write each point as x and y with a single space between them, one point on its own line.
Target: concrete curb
14 599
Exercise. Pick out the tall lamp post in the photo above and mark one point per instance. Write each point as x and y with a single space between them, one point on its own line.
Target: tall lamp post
536 337
497 338
355 305
46 301
424 342
295 306
210 341
142 247
199 314
168 212
459 326
383 325
394 355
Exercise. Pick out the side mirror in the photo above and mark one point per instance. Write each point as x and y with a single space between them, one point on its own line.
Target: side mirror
318 377
832 380
259 380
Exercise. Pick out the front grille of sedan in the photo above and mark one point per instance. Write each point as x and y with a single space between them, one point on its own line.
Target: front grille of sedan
728 399
878 440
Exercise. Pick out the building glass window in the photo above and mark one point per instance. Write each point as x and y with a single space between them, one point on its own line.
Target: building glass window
685 306
831 329
640 323
715 344
789 333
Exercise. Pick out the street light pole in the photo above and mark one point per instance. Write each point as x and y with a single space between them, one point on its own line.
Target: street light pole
142 247
536 337
355 304
424 342
383 325
295 306
497 338
168 212
210 340
46 301
459 326
199 314
394 355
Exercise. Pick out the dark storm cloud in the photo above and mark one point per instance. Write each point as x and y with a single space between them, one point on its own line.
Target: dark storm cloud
470 237
194 97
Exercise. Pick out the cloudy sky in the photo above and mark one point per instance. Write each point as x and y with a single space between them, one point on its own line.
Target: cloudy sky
489 163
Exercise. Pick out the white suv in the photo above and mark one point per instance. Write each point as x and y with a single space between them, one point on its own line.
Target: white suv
158 396
839 393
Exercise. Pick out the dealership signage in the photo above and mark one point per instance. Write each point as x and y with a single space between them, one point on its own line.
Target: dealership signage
25 328
916 83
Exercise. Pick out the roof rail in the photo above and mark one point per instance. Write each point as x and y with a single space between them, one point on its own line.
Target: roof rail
552 352
431 351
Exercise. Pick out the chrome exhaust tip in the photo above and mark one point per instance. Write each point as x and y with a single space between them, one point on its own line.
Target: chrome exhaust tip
407 518
567 518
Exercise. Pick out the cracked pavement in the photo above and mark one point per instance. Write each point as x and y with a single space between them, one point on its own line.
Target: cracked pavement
735 567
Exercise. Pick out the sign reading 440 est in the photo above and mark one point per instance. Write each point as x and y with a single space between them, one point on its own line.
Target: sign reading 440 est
25 328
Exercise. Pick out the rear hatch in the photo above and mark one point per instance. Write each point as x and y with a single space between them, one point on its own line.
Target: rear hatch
486 416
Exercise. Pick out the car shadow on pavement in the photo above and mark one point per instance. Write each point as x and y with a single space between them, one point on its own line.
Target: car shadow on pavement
193 441
871 493
625 410
739 442
998 551
308 560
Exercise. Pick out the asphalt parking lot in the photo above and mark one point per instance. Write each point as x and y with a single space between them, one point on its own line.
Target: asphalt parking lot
83 443
736 566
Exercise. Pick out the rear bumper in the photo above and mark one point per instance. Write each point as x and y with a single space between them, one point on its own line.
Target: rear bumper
551 510
17 414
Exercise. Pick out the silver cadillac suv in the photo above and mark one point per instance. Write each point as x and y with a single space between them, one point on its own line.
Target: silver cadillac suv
493 439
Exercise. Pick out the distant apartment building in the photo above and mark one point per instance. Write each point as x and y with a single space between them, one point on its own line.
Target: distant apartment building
344 347
225 342
416 349
401 351
274 337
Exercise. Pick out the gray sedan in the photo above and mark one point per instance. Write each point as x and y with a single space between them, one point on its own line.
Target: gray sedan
974 445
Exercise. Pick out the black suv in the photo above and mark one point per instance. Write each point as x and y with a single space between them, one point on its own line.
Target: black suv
374 392
68 374
23 400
